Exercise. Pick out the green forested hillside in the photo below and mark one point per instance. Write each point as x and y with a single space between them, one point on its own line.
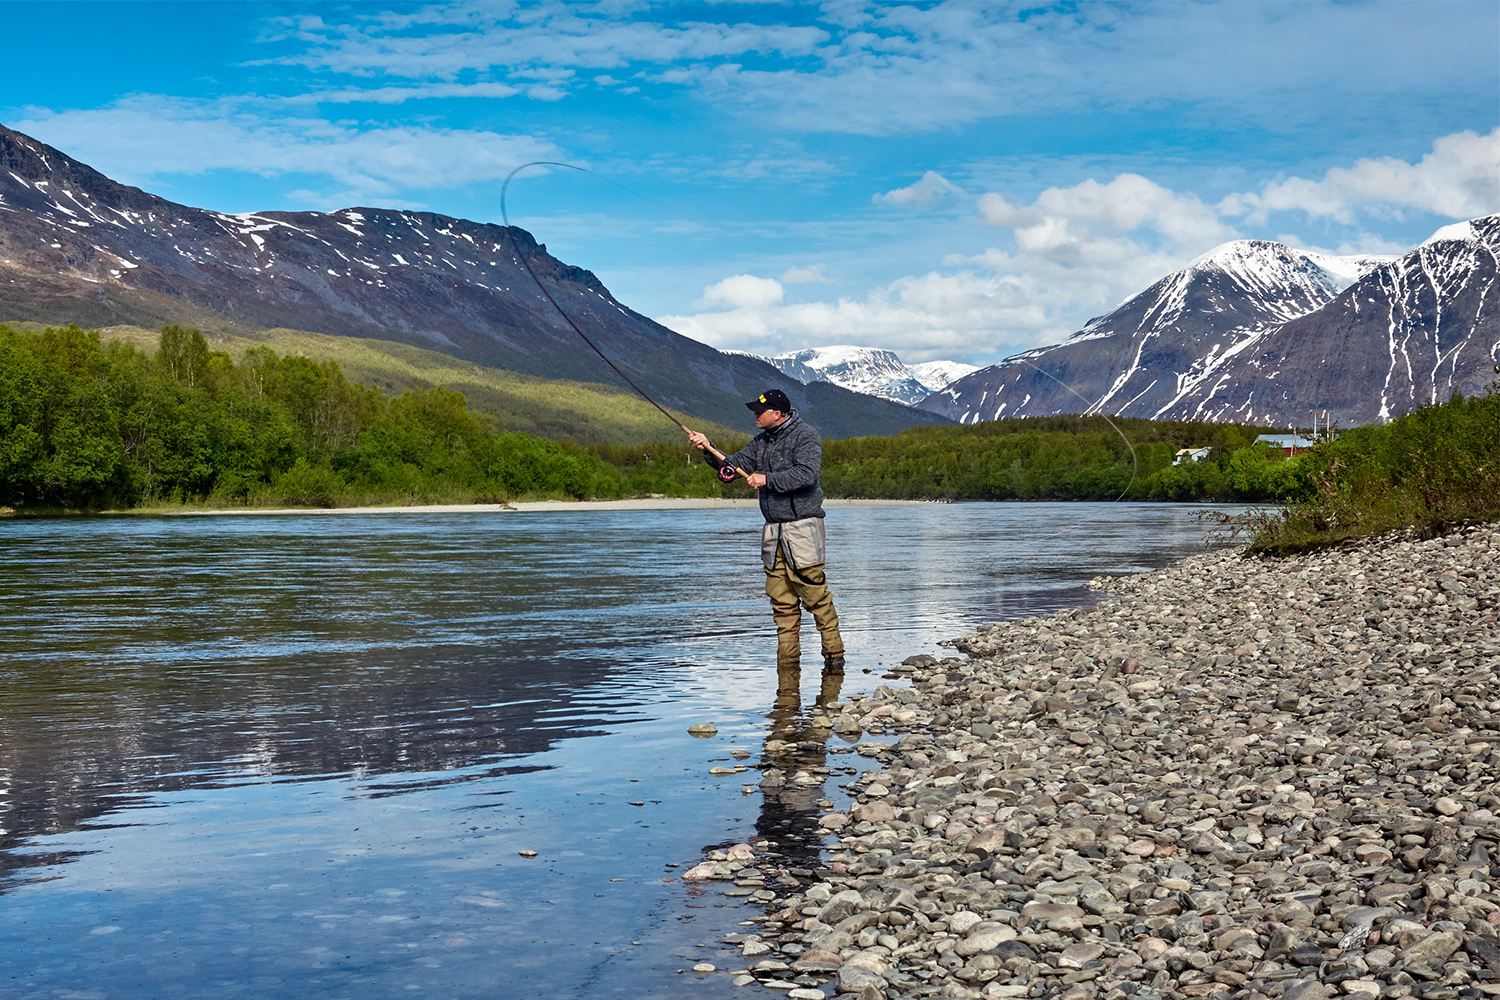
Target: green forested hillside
584 412
92 423
84 423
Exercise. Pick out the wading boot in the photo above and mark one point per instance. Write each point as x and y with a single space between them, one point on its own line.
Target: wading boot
833 662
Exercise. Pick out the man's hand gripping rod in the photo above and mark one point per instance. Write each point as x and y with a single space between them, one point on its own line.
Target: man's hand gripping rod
708 447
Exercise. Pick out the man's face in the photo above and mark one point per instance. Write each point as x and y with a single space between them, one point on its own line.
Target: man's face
769 418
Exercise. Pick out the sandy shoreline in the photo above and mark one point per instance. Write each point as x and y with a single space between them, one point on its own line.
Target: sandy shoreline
519 507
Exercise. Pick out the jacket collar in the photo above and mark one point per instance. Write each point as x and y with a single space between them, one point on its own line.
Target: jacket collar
779 429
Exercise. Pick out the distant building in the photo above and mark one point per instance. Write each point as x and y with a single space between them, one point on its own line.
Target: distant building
1190 455
1289 444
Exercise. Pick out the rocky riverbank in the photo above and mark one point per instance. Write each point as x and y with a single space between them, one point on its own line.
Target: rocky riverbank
1234 776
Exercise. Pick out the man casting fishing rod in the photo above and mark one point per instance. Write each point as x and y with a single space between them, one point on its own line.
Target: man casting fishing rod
783 462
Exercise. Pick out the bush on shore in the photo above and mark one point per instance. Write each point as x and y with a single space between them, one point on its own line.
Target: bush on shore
1429 470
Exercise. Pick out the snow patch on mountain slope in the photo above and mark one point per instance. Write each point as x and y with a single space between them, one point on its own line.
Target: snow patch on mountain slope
941 374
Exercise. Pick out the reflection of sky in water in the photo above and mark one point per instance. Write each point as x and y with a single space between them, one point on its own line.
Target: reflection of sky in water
296 756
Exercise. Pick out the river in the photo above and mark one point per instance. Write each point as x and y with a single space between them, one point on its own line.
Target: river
298 756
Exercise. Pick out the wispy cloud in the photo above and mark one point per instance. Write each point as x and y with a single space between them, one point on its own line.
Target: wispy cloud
400 95
932 189
553 38
884 70
139 139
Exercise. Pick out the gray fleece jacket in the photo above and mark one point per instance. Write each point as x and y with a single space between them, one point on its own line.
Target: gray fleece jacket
791 457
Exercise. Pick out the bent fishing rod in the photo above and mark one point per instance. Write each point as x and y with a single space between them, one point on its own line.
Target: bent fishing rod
516 249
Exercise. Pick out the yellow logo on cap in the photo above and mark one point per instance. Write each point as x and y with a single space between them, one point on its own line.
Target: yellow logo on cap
762 399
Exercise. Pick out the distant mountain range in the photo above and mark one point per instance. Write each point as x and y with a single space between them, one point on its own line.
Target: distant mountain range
1259 332
870 370
76 246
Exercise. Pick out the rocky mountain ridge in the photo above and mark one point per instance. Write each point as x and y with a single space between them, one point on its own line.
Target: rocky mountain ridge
1259 332
870 370
76 246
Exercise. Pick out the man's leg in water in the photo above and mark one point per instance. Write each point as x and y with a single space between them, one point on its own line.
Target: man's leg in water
811 587
786 610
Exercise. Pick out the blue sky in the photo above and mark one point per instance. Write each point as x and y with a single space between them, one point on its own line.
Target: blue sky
948 180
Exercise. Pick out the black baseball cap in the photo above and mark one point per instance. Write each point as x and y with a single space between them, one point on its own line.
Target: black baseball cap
771 399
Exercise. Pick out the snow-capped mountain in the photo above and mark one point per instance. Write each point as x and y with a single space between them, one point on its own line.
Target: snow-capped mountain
1409 333
1260 332
77 247
870 370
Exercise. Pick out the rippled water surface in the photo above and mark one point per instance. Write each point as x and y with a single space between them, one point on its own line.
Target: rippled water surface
297 756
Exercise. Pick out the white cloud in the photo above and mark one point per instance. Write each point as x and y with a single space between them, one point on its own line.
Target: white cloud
925 193
1459 179
535 38
1360 245
400 95
805 275
1081 221
141 138
1078 251
743 291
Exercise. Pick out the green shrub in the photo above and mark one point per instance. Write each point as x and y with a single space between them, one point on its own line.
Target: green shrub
1429 470
308 485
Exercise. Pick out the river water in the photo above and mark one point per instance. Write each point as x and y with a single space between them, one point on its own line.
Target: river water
298 756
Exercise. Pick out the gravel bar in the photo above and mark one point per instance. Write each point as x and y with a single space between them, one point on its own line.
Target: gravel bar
1233 777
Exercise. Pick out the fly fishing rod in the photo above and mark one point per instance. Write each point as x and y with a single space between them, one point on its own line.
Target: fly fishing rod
515 247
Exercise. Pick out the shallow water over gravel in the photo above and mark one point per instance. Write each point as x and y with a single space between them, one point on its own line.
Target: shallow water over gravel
297 756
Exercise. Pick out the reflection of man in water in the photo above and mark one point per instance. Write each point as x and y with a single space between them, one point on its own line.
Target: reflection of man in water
789 810
784 462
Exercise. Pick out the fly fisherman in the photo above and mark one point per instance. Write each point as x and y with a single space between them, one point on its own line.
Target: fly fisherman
783 463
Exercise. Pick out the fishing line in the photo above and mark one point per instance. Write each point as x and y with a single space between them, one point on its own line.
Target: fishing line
510 232
931 320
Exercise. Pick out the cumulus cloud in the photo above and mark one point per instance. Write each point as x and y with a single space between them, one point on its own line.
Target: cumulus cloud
742 291
1459 179
925 193
1084 220
139 139
1083 249
923 318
